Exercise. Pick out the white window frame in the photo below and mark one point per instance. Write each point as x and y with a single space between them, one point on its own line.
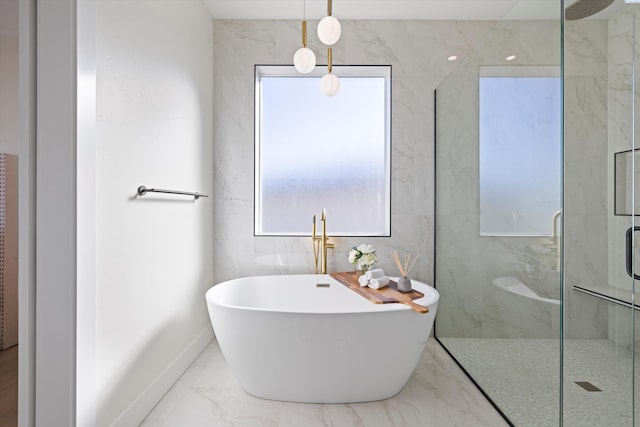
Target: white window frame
343 72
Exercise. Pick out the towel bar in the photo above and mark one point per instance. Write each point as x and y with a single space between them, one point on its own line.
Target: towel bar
142 190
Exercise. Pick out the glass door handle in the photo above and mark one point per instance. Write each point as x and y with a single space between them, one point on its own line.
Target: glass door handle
630 232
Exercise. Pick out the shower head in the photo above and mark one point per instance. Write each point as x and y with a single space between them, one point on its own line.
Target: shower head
584 8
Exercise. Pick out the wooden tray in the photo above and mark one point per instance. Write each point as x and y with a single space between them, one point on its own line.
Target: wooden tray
386 295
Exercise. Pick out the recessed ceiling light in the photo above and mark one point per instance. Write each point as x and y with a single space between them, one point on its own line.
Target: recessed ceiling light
452 58
510 57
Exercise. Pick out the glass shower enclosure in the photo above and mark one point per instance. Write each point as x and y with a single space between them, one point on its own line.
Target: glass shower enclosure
537 232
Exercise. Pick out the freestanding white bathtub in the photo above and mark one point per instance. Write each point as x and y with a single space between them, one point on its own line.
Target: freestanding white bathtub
285 338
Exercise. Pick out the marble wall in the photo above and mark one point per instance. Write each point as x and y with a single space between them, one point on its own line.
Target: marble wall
467 264
585 176
417 52
620 132
623 51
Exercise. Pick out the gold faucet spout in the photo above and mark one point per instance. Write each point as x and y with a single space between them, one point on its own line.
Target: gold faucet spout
321 243
316 244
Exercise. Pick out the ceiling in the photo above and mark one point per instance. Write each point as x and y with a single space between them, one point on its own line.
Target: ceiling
361 9
395 9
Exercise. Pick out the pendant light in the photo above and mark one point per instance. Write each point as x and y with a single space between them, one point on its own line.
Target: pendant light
329 84
329 28
304 60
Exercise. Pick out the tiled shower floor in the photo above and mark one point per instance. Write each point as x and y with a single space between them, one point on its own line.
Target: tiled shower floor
522 378
438 394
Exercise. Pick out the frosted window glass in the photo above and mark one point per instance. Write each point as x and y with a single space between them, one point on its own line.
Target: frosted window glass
315 152
520 155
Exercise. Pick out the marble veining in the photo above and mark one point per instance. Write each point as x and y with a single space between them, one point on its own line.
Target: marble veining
438 394
468 263
416 50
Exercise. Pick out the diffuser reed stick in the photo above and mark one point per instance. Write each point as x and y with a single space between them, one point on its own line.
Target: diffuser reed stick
404 268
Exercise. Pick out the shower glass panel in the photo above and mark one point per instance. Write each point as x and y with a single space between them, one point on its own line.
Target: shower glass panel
498 217
547 325
598 318
631 16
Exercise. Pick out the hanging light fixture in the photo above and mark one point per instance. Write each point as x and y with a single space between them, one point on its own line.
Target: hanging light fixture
329 28
329 84
304 59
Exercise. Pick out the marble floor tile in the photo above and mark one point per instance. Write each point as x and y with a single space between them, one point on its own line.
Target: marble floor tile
438 394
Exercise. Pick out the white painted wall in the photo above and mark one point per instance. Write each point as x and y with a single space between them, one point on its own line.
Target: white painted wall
86 213
9 81
9 126
27 212
154 254
55 221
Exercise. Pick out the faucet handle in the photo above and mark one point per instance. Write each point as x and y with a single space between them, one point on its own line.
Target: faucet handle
329 245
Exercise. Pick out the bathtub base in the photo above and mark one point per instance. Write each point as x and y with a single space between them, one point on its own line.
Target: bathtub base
341 358
343 349
335 396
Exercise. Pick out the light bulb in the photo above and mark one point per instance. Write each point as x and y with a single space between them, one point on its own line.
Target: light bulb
304 60
329 30
330 84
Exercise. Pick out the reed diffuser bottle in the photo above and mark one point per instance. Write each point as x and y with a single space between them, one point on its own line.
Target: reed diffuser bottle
404 283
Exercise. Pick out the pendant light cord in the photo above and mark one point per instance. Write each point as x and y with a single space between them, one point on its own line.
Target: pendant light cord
304 23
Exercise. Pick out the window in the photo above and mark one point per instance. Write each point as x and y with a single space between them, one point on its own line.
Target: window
315 152
520 150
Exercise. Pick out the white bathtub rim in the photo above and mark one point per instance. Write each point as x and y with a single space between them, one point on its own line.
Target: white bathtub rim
431 298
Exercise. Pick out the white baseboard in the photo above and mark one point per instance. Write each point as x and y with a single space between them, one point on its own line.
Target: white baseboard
139 408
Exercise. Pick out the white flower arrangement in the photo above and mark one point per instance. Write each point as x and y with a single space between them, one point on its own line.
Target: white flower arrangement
363 256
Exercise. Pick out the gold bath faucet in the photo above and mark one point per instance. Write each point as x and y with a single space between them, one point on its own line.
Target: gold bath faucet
321 243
